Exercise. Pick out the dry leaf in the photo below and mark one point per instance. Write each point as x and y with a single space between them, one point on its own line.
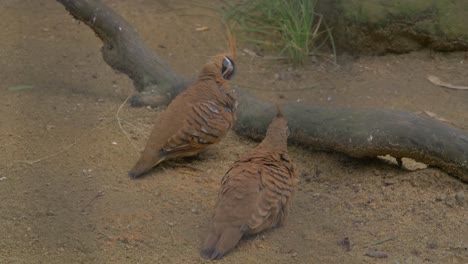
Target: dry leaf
435 116
437 81
251 52
202 29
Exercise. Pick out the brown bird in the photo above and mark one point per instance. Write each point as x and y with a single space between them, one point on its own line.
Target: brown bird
255 192
198 117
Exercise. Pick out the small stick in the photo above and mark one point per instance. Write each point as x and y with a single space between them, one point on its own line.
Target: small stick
32 162
104 234
185 166
135 127
99 194
164 169
120 124
314 35
381 241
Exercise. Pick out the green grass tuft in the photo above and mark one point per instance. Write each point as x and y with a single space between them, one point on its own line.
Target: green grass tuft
292 26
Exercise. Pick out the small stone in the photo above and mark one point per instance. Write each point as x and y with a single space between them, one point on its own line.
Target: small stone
86 171
195 210
388 182
345 244
450 202
356 187
376 254
432 245
50 213
3 178
460 198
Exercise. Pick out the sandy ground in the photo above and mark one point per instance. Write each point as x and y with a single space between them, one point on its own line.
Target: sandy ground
65 196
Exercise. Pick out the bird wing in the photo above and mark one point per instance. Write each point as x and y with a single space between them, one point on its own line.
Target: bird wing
205 123
276 187
255 194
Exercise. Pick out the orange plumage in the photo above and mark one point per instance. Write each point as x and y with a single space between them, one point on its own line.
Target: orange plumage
198 117
255 193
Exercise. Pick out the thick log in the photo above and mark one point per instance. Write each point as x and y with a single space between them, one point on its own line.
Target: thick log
362 133
356 132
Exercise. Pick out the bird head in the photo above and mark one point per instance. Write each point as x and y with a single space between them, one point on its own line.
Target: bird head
221 67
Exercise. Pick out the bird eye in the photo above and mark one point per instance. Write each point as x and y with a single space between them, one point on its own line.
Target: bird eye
228 68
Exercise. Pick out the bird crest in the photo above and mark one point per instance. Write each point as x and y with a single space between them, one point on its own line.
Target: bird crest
222 66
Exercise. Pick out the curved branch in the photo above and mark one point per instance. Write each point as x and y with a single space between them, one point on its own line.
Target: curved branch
124 50
356 132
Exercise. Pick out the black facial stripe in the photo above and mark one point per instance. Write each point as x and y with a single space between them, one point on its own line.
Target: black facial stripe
228 68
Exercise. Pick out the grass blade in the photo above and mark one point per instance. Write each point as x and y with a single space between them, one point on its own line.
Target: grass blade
20 87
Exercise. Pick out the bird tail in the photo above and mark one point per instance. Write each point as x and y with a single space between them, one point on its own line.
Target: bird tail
220 242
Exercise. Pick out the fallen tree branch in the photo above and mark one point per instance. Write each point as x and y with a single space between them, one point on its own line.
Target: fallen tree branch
363 133
356 132
124 51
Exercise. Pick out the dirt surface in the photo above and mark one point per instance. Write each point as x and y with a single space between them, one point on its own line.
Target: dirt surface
65 196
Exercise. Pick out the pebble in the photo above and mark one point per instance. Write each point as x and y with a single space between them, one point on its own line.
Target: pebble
86 171
345 244
460 198
388 182
432 245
